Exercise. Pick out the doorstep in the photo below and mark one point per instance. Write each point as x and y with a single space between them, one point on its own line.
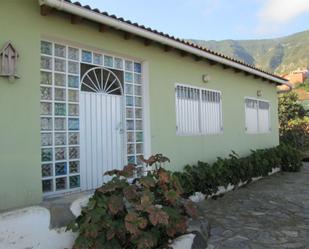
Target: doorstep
60 208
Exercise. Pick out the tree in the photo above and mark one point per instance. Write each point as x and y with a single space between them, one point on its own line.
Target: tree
294 125
289 109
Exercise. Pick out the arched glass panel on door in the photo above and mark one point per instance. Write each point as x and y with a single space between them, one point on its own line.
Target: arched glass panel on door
101 80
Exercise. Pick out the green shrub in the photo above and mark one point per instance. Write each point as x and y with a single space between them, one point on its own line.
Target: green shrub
297 134
145 214
294 124
290 158
233 170
289 108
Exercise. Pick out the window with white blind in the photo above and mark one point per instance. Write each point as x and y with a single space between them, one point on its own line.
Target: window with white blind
198 111
257 116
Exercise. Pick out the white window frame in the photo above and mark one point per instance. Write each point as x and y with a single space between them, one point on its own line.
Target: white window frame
269 116
200 132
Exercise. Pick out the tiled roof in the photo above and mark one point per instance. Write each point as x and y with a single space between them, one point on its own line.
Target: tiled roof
185 42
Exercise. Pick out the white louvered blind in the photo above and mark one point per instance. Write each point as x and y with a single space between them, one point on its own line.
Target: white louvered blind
257 116
251 116
210 112
264 120
198 111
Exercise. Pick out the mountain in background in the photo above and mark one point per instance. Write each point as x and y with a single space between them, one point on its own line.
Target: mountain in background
280 55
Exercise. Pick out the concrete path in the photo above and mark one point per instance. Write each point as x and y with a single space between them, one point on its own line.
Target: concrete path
272 213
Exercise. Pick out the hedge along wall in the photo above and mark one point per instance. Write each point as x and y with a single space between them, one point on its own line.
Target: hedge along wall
206 178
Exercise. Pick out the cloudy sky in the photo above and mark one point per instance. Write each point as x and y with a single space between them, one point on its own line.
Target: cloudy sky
213 19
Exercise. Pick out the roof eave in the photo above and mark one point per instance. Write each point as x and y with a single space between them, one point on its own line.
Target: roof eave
120 25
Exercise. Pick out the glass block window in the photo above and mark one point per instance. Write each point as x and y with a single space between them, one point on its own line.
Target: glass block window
134 110
61 69
59 87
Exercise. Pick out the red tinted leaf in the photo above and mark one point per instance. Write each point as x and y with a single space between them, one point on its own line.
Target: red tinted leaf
181 226
147 241
145 201
177 185
134 223
142 223
115 204
113 185
128 171
191 209
162 159
147 182
92 231
110 234
176 227
112 172
157 216
171 196
131 224
130 193
164 176
150 161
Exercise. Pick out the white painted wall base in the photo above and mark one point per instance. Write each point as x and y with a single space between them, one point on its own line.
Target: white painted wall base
78 204
29 228
183 242
198 196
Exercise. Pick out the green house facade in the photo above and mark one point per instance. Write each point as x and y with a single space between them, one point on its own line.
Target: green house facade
91 92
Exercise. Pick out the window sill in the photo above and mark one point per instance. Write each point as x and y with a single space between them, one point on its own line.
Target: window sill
198 134
258 133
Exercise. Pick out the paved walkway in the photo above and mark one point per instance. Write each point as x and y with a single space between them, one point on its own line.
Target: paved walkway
272 213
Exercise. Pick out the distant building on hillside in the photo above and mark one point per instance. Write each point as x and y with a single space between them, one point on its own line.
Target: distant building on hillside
297 76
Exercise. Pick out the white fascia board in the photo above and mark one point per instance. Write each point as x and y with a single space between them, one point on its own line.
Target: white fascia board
120 25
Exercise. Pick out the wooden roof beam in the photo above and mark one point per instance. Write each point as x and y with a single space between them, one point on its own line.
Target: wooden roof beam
127 36
76 19
183 53
236 70
197 58
147 42
103 28
167 48
211 63
46 10
225 66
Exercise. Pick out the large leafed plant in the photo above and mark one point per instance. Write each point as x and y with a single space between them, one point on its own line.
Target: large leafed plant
147 213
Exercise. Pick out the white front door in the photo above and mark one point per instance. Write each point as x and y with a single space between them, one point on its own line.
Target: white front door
101 136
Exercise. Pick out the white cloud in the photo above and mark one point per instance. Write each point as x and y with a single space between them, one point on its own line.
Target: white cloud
275 13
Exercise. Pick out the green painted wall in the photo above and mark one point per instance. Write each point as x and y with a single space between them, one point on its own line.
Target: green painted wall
19 110
19 102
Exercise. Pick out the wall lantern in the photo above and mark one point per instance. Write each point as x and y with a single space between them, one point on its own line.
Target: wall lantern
8 62
259 93
206 78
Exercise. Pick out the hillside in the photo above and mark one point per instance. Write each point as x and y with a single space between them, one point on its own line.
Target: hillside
280 55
